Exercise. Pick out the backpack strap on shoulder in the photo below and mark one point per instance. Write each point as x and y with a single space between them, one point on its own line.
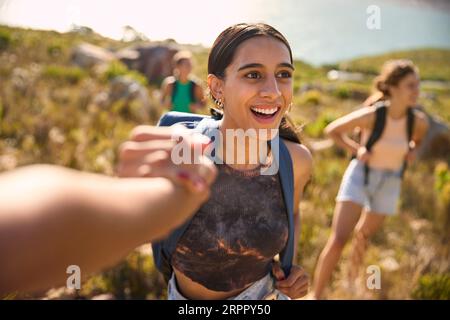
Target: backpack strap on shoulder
286 172
192 91
410 119
174 89
380 121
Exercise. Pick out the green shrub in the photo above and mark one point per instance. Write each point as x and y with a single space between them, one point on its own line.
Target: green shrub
311 97
5 39
442 188
442 183
315 129
72 75
133 278
54 50
117 68
342 92
433 286
442 175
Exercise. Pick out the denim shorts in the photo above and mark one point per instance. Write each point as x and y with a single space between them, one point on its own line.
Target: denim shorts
262 289
379 196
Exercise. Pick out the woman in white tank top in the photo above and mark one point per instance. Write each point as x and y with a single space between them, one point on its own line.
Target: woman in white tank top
363 203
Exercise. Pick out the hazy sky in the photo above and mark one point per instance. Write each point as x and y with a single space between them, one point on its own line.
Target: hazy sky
319 31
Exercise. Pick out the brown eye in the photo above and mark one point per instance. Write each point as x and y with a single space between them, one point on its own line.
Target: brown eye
253 75
284 74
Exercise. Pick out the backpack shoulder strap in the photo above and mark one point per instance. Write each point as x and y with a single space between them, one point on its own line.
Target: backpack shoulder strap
192 90
286 172
380 121
375 135
410 121
174 88
410 118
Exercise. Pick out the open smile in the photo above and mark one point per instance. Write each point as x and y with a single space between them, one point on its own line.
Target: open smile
265 114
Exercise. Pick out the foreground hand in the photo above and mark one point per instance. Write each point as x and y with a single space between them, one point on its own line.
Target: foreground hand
148 153
295 285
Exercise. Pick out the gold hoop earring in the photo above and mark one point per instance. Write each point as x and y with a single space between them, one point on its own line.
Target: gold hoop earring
219 103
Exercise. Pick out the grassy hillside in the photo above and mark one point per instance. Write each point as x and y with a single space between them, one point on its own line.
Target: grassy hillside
49 114
433 63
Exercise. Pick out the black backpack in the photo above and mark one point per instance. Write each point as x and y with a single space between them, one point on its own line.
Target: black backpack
380 121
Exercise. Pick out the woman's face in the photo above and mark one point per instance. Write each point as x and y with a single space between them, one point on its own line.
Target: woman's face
407 90
257 88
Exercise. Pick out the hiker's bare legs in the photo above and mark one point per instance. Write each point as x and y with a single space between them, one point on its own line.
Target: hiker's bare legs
369 223
346 215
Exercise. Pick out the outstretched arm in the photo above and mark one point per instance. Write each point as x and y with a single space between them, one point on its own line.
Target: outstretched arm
52 217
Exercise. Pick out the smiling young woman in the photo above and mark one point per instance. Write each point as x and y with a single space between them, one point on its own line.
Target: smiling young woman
366 196
227 250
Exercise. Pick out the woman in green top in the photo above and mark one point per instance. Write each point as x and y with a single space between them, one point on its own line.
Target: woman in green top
185 94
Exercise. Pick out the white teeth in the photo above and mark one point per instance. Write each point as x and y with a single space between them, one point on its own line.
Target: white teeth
265 111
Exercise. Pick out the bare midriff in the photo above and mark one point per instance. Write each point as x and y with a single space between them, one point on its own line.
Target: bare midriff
389 152
195 291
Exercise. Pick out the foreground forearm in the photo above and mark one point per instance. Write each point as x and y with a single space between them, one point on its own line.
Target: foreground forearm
66 218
